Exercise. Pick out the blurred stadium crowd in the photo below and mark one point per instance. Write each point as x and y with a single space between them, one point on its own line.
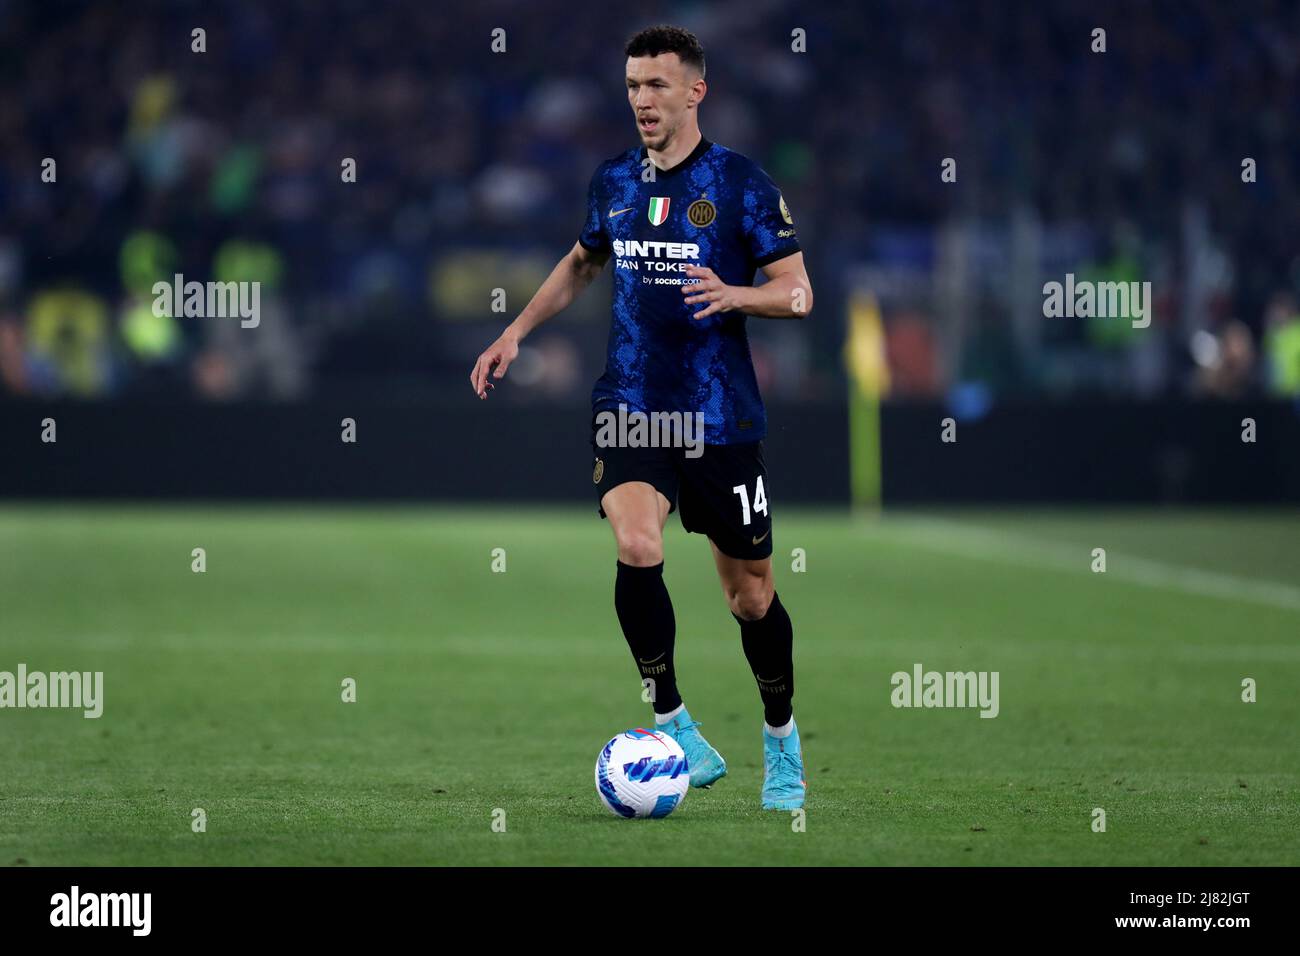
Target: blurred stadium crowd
472 168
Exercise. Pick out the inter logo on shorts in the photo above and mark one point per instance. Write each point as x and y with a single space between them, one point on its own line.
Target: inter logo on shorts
700 213
658 211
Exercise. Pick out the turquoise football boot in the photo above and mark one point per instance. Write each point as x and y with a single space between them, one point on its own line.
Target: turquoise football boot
706 764
784 786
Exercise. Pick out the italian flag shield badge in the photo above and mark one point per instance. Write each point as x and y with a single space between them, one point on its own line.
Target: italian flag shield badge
658 210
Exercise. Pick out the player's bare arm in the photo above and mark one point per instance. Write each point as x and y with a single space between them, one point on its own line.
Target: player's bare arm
571 275
787 294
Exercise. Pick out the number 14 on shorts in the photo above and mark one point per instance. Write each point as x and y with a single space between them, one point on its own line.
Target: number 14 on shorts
760 500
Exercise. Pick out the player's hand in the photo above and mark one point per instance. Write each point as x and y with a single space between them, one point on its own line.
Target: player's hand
710 289
499 354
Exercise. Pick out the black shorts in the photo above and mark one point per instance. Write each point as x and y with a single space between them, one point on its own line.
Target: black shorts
722 492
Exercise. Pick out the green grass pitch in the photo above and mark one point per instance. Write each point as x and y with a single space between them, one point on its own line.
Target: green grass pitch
479 691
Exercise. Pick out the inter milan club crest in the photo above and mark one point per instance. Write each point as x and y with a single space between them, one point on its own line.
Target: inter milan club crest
658 211
700 213
598 472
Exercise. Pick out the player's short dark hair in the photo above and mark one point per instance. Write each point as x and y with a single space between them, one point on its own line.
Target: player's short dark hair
667 39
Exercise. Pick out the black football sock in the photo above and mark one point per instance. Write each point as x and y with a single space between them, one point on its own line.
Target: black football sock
769 648
646 613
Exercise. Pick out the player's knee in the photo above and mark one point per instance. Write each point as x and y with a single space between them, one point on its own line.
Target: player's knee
750 601
640 549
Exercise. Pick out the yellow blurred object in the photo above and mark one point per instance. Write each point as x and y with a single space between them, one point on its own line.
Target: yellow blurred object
864 356
239 260
151 337
864 349
145 256
153 101
1282 346
69 330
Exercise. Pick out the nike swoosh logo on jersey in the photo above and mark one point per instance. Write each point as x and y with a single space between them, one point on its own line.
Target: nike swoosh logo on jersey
765 534
612 213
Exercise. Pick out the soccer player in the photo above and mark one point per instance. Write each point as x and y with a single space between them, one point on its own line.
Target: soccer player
688 222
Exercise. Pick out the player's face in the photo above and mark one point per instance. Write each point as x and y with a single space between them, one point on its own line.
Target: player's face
662 91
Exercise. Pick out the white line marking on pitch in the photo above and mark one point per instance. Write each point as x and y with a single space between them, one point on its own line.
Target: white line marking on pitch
983 543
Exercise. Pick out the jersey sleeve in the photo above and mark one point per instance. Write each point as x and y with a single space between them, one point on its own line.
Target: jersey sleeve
768 226
593 235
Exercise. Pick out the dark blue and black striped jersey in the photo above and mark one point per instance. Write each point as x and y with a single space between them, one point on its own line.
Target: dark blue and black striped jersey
718 209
